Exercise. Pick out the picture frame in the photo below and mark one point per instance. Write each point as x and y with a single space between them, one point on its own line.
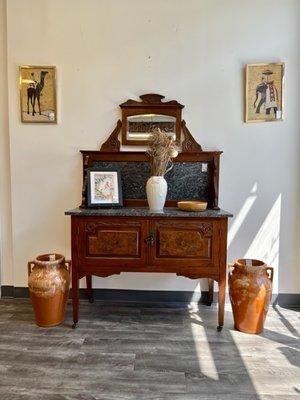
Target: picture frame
264 92
104 188
38 103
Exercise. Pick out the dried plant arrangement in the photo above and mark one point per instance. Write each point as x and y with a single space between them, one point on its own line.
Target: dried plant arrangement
162 150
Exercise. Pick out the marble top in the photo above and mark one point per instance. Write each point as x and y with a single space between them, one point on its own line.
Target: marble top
144 212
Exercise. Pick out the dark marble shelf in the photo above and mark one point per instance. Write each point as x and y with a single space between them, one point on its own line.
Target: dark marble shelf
144 212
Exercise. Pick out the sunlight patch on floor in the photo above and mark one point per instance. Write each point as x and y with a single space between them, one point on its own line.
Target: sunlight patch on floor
205 357
260 368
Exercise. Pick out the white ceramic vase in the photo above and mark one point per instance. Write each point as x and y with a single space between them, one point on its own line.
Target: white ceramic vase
156 189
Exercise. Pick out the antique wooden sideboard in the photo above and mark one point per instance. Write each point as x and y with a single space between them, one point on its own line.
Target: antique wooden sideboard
130 238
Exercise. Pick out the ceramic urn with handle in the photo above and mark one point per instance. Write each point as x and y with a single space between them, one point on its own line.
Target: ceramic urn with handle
48 283
250 291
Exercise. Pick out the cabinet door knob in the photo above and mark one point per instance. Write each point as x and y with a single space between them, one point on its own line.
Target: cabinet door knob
150 239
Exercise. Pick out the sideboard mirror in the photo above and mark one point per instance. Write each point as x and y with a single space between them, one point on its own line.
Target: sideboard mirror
139 127
139 118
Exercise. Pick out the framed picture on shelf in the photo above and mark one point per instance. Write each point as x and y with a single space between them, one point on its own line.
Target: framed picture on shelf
104 188
264 92
38 94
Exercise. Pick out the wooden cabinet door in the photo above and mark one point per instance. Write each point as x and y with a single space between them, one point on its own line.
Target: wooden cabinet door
113 242
186 243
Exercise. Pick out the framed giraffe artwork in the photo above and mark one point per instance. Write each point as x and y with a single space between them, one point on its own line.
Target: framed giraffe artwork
264 92
38 94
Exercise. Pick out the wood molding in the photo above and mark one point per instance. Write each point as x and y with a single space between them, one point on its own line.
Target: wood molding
112 144
196 275
91 227
206 228
216 166
189 143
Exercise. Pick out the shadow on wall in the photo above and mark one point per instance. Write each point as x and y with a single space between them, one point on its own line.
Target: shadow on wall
265 243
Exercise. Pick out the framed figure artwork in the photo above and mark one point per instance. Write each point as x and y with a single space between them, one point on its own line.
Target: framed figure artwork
264 92
104 188
38 94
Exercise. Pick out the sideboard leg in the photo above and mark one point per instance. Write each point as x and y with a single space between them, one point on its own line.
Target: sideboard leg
75 297
89 289
221 302
222 273
210 291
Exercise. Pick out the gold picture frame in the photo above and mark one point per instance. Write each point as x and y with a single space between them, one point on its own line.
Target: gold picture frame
38 102
264 92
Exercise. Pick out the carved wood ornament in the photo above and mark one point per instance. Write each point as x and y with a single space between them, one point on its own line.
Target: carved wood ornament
113 144
189 143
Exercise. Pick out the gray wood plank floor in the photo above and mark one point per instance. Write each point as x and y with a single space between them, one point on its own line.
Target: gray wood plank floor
131 352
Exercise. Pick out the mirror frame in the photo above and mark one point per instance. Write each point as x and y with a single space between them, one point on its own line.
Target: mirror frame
150 104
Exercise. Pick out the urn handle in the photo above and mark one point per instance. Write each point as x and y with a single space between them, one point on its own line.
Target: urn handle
230 269
270 270
68 264
30 264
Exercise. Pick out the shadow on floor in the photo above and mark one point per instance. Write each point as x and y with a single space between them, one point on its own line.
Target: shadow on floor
131 352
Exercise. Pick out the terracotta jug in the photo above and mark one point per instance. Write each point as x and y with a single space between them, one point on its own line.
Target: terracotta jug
48 283
250 291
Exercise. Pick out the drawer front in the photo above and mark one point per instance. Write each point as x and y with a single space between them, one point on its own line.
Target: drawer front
185 244
111 242
114 242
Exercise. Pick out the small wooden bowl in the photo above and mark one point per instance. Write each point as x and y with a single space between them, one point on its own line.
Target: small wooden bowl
192 205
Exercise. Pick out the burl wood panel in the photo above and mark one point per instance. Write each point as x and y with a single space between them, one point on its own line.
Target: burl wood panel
183 244
113 243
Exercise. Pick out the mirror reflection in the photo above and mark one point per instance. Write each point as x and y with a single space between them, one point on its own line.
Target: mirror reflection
139 127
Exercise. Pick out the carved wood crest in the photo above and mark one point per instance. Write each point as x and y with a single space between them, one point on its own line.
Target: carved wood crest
152 99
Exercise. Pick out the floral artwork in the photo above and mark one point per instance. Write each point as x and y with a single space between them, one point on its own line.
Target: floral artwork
104 188
264 92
